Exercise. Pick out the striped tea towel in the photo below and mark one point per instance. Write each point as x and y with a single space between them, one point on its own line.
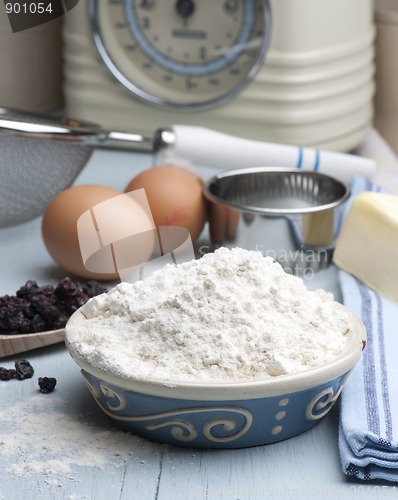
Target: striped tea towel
368 433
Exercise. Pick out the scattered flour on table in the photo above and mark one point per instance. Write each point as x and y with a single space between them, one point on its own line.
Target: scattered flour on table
232 315
38 437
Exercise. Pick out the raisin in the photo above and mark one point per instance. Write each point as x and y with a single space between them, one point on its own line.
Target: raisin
59 322
28 290
41 308
93 288
23 369
65 289
70 295
47 384
38 323
13 320
7 374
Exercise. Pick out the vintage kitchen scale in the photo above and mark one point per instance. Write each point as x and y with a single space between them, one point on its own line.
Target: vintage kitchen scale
296 72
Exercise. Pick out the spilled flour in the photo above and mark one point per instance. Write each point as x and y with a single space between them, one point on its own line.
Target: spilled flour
37 437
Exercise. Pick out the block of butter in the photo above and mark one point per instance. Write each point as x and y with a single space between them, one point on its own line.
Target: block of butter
367 246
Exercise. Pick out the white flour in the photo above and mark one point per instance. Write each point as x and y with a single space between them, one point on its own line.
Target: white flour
38 437
230 316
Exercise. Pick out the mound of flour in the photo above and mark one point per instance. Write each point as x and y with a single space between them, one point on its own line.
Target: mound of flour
232 315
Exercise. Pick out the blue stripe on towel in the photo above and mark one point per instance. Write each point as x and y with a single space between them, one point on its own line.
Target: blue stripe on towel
384 374
369 375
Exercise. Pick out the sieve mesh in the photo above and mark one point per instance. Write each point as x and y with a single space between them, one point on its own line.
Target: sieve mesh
32 172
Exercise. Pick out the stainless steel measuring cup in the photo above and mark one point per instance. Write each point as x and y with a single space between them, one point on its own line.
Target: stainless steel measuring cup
290 215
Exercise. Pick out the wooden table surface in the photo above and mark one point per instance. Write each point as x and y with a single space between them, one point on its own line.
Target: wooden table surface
60 446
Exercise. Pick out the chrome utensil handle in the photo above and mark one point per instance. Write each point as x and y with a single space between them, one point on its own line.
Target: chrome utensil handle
126 140
207 147
69 131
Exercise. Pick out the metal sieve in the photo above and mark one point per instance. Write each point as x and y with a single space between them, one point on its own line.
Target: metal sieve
41 156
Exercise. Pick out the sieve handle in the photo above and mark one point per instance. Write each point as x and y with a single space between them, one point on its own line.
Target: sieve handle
207 147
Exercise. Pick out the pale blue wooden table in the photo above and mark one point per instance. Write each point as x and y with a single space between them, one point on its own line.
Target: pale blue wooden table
39 433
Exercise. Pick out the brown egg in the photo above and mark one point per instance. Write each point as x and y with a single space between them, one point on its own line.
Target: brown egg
175 197
105 230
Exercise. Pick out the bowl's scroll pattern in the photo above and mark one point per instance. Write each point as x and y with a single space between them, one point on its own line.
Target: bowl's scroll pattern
321 403
180 429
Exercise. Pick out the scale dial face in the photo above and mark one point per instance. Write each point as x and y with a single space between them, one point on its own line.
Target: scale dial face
182 54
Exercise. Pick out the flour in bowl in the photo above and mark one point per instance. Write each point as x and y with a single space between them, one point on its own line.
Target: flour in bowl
232 315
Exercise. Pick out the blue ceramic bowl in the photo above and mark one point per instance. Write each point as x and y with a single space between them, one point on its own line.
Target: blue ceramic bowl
221 415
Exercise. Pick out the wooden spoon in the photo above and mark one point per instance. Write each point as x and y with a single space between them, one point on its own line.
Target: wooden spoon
14 344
